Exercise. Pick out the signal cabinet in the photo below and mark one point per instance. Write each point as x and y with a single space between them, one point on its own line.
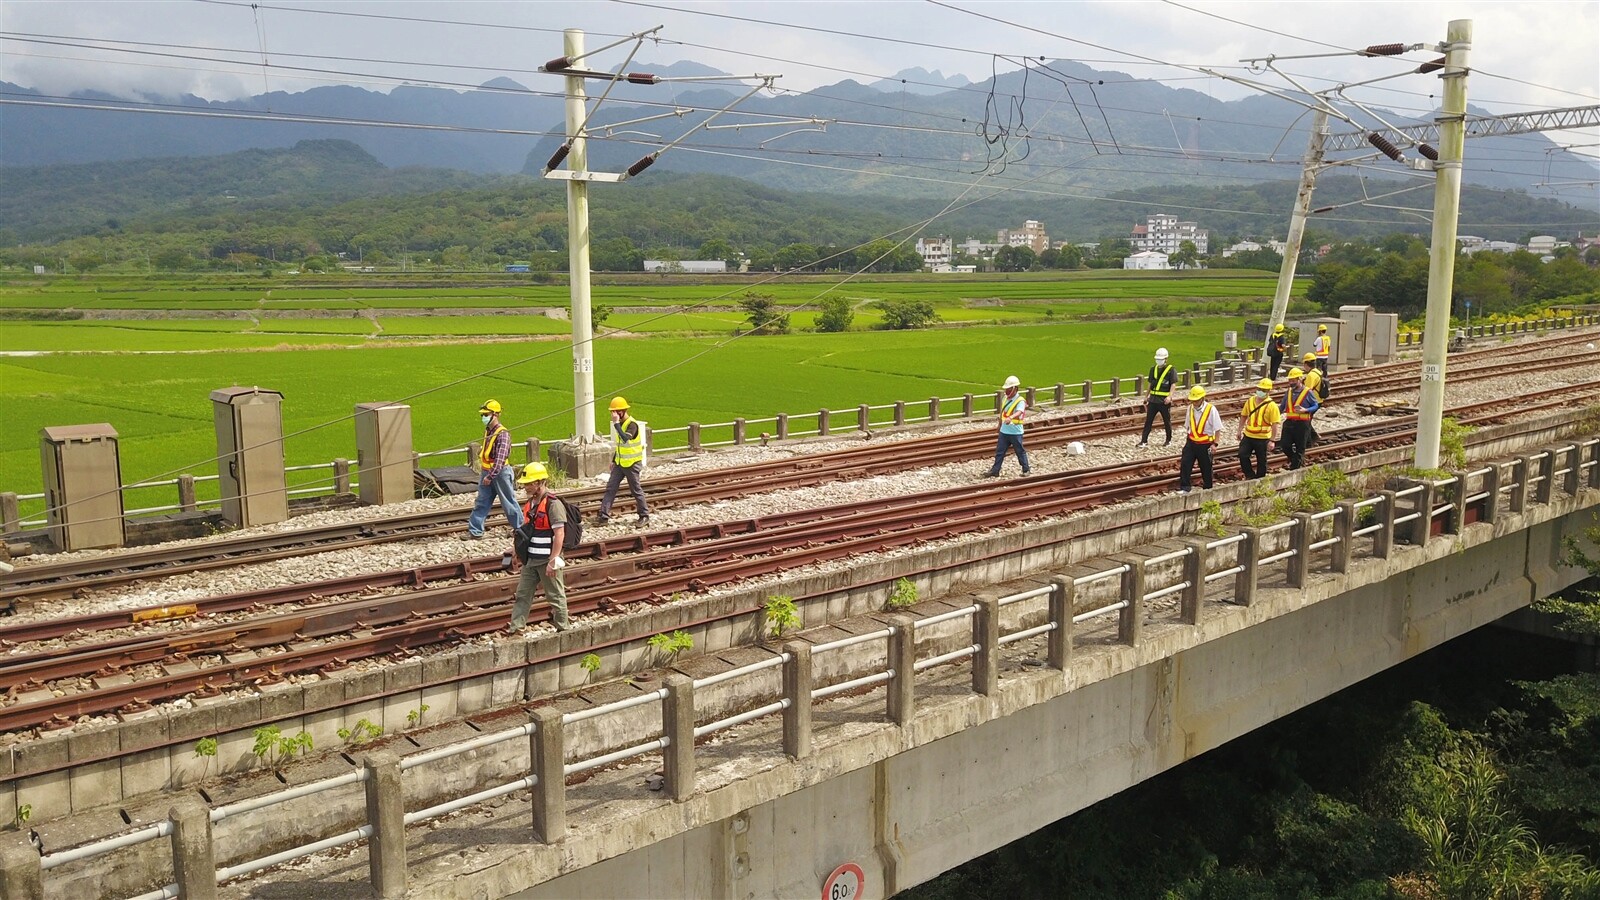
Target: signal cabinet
82 486
250 470
384 458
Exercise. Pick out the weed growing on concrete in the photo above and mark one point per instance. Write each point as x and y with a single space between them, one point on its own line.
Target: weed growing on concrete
902 594
781 615
1453 443
1211 518
672 644
274 749
590 662
1320 488
206 749
363 732
24 813
414 717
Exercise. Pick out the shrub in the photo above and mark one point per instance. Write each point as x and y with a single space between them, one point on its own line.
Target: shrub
903 315
781 614
836 315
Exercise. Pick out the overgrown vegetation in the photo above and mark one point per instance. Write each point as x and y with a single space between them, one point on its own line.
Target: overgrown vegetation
360 734
782 615
672 644
902 594
274 749
1211 518
590 663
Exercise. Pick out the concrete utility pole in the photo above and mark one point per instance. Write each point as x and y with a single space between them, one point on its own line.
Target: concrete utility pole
1297 220
1442 267
578 248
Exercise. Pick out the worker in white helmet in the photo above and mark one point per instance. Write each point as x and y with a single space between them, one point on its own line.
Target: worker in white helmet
1012 410
1157 400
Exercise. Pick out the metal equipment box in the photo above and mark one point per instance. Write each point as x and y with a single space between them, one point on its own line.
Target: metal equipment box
1357 327
1383 336
384 458
82 486
250 472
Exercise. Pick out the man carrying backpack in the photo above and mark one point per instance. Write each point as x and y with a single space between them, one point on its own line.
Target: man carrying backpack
538 547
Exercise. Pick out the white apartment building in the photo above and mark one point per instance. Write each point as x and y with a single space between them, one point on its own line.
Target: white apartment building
1146 259
1165 233
935 252
1031 235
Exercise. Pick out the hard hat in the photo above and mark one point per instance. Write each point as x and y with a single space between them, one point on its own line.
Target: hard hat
618 403
1322 328
490 406
1309 357
1196 392
1265 384
1011 382
1296 373
1279 329
534 471
1161 353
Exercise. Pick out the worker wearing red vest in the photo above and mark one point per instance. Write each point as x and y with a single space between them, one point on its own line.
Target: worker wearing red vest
539 550
1299 405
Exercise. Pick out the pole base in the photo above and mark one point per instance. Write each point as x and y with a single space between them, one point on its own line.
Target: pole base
580 459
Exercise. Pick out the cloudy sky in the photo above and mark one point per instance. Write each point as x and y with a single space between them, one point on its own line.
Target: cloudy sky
1526 54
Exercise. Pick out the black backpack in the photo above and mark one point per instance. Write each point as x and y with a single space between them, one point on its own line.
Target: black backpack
571 533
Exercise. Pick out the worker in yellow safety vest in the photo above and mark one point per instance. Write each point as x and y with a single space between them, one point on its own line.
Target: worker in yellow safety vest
627 462
1259 423
1205 427
1276 347
496 480
1299 405
1013 409
1156 403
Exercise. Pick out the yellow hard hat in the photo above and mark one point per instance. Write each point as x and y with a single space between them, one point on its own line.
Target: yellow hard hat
618 403
1279 329
1265 384
1296 373
1310 356
490 406
1196 392
1322 328
534 471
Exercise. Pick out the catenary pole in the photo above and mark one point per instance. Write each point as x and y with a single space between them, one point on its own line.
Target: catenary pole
578 249
1297 220
1441 268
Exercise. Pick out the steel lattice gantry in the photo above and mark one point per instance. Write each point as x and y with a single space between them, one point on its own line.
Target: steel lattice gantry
1477 127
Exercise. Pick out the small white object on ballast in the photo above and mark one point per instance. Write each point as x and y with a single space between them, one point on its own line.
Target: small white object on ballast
1075 448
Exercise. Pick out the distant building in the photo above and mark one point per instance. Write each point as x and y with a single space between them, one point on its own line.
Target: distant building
1031 235
687 266
935 253
38 270
1166 234
519 267
1146 259
1541 243
975 247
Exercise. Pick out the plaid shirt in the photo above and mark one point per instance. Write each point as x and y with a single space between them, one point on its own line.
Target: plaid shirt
501 450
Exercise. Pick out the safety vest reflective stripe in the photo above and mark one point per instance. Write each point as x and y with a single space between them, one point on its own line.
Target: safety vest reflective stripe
1293 405
540 540
1197 423
1255 418
1161 381
629 452
1011 411
1324 343
486 455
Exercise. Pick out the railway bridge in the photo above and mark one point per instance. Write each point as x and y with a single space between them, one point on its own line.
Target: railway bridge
1038 671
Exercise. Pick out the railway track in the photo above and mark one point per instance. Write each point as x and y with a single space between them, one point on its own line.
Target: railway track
126 672
73 577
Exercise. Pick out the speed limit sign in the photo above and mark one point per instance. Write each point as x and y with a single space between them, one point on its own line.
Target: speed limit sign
844 883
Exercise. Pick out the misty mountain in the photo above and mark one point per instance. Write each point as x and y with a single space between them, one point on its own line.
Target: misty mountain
918 80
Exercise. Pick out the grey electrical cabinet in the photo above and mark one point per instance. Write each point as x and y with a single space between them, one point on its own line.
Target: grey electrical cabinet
250 472
384 452
1354 336
82 486
1383 335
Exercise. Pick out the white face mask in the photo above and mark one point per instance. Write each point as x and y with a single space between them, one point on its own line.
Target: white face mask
486 419
1260 394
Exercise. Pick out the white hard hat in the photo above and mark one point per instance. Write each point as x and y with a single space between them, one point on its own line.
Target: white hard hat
1011 382
1161 353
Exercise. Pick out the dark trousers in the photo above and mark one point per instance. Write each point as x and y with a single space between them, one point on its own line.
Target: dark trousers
1296 437
618 474
1322 366
1009 441
1277 360
1253 449
1157 407
1195 453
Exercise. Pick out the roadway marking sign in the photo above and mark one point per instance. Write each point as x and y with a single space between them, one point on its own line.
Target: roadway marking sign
844 883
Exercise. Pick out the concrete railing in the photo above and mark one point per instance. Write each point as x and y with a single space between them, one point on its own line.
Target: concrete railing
1124 585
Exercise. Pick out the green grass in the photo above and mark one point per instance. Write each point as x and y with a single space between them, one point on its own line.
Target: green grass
159 403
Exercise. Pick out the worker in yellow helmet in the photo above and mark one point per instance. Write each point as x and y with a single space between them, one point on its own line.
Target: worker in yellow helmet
1299 405
1277 345
538 547
495 477
1259 423
627 462
1315 379
1205 428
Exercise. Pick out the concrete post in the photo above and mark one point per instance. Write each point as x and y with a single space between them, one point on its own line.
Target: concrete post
1517 498
194 868
1458 504
1419 529
1383 538
1344 530
1138 385
1088 391
822 421
21 876
1030 397
1195 571
782 426
797 690
474 458
1116 389
738 432
341 476
1244 583
966 406
693 435
1130 621
933 409
1489 511
386 813
864 417
530 447
677 720
1058 642
1061 394
986 636
1571 484
1298 566
903 661
999 401
1181 380
186 498
1544 488
1211 374
548 750
899 413
11 512
1593 454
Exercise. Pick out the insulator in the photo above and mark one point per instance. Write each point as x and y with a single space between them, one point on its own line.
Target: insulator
641 165
642 78
558 156
1384 146
1434 66
1428 152
1384 50
1322 209
557 64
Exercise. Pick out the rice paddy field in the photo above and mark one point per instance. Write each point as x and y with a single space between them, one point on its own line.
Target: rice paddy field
150 376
